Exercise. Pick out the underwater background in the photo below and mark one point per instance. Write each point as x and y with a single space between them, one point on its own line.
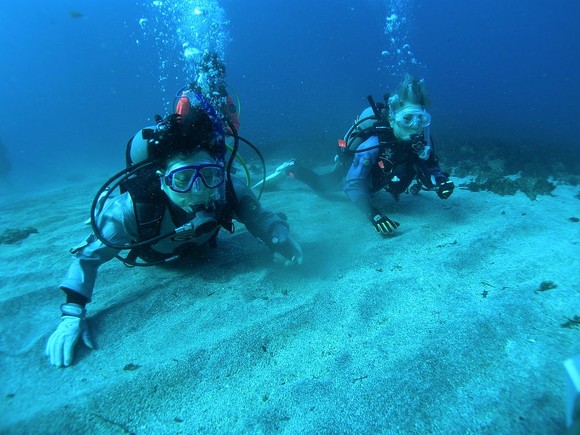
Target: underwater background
79 78
459 323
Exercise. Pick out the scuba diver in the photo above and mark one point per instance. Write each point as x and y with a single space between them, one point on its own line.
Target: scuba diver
388 147
176 194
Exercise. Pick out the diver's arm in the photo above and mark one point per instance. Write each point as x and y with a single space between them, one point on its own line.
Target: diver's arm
358 180
426 161
430 173
248 210
270 228
117 224
428 170
358 185
427 166
81 275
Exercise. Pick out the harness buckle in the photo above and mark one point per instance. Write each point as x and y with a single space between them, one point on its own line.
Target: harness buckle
385 165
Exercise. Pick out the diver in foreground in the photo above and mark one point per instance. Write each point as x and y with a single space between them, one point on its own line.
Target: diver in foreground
388 147
176 195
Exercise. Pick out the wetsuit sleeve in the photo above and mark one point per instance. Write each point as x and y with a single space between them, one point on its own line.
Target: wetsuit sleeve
117 223
257 220
358 181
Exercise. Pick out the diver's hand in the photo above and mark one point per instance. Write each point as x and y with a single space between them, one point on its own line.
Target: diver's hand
382 223
287 251
444 186
61 344
445 189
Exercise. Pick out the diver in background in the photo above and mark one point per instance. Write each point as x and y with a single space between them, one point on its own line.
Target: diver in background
179 196
388 147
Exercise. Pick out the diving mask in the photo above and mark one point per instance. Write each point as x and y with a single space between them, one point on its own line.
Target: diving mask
413 118
186 178
189 186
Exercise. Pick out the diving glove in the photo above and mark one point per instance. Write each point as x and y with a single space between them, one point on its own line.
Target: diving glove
445 189
61 344
286 250
382 223
444 185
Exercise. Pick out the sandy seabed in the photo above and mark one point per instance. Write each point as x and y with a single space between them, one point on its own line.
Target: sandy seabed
441 328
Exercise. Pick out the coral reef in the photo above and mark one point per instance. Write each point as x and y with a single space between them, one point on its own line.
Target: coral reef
506 168
531 186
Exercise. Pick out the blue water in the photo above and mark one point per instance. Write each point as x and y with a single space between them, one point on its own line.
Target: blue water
80 77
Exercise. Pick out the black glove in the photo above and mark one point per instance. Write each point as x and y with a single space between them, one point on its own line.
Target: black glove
382 224
445 189
444 185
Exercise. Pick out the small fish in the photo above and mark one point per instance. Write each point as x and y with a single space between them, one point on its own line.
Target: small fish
75 14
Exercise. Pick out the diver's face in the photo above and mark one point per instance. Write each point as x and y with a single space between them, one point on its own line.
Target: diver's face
192 181
409 120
